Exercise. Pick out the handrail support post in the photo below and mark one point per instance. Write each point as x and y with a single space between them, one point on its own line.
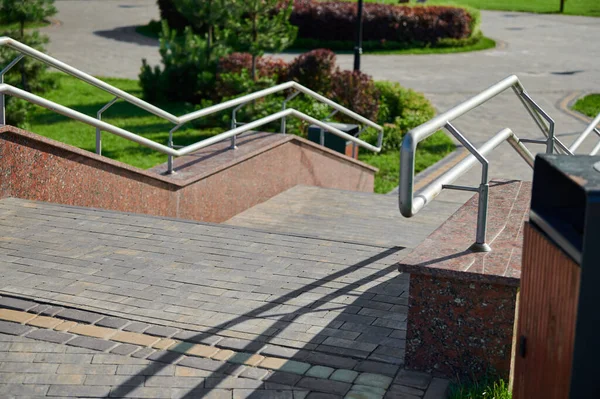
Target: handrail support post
170 144
283 108
480 244
234 124
98 133
2 73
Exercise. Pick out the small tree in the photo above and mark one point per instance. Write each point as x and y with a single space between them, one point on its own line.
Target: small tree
21 13
206 16
260 26
189 68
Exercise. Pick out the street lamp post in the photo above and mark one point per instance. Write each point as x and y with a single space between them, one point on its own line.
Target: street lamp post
358 46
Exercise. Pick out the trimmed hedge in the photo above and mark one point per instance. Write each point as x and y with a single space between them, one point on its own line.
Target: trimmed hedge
384 25
335 21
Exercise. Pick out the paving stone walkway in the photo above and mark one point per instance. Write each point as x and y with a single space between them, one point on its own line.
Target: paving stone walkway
325 316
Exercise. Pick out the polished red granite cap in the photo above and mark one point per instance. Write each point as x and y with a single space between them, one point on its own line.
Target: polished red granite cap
446 253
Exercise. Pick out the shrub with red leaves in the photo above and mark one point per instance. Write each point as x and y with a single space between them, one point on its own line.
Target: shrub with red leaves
356 91
265 66
314 70
335 21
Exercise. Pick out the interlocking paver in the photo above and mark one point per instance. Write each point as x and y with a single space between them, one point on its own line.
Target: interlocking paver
79 391
23 391
207 364
374 380
50 336
201 393
197 337
231 382
283 378
134 338
55 379
320 372
44 322
254 373
322 395
140 392
404 390
413 379
344 375
290 366
125 349
248 359
87 369
92 343
331 360
112 322
327 386
223 355
143 353
268 394
438 389
164 343
15 316
7 327
65 326
136 326
161 331
92 331
80 316
16 304
365 392
63 358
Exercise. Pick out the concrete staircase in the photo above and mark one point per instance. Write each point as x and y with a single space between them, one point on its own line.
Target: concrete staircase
346 216
308 310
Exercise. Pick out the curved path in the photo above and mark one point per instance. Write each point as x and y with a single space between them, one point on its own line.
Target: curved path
555 57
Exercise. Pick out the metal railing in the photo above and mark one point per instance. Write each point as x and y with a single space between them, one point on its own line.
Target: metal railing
411 203
170 149
592 127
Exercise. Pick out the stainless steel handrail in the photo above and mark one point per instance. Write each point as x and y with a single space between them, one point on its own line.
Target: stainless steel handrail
410 203
592 127
177 120
60 109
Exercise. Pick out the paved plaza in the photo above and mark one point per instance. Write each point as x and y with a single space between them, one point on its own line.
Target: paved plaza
152 297
297 298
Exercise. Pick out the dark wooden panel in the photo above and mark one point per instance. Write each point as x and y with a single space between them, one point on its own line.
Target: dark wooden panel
547 314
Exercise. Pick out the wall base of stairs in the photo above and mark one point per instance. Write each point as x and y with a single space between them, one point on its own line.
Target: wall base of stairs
36 168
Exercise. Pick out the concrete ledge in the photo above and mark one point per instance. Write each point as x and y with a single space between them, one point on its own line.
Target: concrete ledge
37 168
461 306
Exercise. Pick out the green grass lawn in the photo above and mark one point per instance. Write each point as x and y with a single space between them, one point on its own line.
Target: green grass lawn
588 105
430 151
88 100
15 26
572 7
486 389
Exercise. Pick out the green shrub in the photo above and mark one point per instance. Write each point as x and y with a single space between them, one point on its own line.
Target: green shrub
400 109
235 84
169 13
314 69
356 91
189 69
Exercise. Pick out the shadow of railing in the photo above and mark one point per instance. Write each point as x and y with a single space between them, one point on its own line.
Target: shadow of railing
219 374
